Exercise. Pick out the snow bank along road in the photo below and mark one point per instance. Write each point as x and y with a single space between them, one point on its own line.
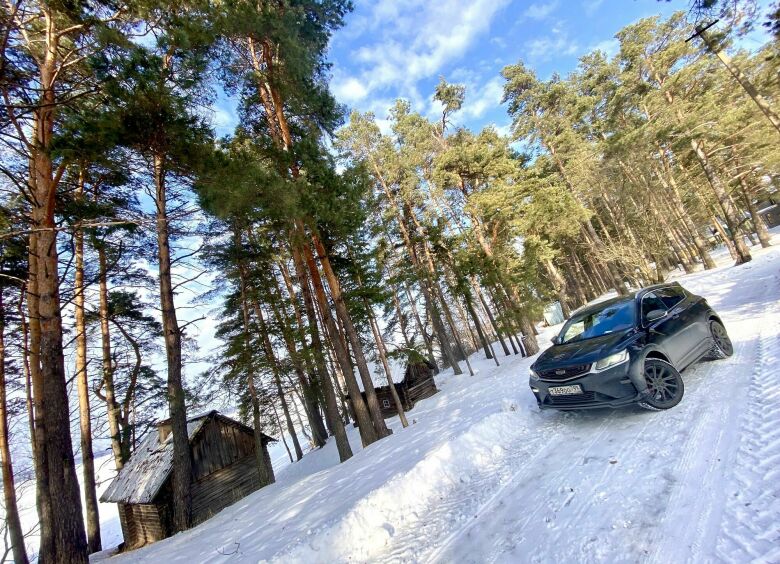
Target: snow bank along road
483 476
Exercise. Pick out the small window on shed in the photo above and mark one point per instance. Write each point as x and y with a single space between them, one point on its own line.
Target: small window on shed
385 403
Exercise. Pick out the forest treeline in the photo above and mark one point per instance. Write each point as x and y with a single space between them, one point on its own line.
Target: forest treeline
336 243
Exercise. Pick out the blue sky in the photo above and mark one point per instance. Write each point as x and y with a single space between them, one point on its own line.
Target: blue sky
392 49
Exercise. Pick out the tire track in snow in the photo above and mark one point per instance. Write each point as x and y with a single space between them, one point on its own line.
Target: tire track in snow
523 471
701 461
750 527
583 486
466 502
641 425
710 453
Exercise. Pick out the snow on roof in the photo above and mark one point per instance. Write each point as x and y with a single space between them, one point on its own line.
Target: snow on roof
146 471
377 372
151 463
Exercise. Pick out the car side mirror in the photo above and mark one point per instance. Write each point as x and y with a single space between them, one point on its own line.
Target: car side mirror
556 340
655 315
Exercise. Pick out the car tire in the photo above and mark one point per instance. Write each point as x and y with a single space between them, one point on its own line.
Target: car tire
664 384
721 343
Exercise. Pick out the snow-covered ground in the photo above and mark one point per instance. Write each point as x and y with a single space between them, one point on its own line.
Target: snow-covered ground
481 475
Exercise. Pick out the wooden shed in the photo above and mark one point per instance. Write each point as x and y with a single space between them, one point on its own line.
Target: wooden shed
418 383
224 469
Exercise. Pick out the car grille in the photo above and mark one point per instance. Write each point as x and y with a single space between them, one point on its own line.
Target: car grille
568 372
575 399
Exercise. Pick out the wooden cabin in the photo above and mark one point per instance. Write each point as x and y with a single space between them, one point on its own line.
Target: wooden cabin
418 383
224 469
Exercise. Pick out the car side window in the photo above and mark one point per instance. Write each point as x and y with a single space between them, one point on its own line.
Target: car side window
671 296
649 303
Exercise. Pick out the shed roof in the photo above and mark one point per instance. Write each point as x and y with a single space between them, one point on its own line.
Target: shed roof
141 478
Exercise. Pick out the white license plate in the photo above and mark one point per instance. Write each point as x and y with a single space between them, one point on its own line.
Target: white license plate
565 390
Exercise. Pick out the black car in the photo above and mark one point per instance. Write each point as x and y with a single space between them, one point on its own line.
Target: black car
629 349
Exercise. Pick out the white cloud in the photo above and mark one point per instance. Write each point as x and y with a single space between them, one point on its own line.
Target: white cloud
550 46
349 90
504 130
414 40
499 42
539 11
608 46
223 118
591 6
484 98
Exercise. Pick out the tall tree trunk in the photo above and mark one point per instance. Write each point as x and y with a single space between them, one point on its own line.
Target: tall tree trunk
743 80
82 383
127 427
574 280
463 318
12 522
120 452
43 499
66 523
272 101
591 236
310 396
182 464
265 471
490 316
62 529
486 346
559 284
274 363
505 324
403 212
380 345
354 341
402 320
529 345
719 189
726 240
730 213
438 295
281 432
368 433
418 321
758 221
682 213
453 328
335 422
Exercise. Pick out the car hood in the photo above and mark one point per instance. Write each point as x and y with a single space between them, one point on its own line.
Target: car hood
583 352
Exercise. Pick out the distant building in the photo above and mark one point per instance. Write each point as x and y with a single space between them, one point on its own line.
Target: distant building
224 469
418 383
770 214
553 314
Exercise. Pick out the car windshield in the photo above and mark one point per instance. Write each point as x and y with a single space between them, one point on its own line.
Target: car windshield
613 317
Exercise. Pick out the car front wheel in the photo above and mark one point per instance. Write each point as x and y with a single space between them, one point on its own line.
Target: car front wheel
721 343
664 385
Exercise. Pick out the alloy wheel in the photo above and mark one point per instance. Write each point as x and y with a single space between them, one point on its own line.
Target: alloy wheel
721 339
664 385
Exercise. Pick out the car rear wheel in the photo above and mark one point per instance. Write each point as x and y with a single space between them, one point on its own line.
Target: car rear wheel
664 385
721 343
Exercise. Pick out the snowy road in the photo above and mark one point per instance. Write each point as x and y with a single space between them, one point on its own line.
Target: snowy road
483 476
699 482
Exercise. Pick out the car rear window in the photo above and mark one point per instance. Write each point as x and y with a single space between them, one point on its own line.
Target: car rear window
671 296
652 302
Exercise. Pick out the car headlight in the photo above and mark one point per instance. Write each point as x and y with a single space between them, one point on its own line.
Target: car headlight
533 375
611 360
